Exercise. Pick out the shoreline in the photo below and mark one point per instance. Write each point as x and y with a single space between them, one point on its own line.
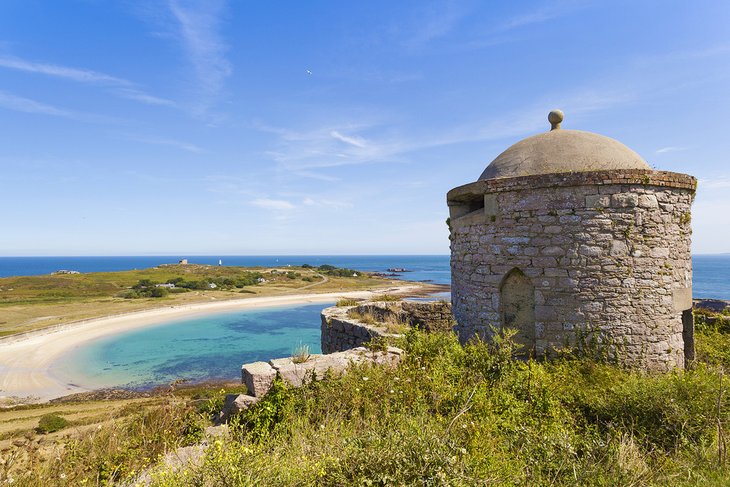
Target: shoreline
26 359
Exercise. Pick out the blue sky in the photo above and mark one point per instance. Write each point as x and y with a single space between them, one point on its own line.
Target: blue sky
212 127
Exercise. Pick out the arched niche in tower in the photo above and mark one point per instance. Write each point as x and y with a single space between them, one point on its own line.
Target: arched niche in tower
517 308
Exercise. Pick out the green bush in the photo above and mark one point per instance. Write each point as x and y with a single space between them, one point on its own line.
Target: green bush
50 423
473 415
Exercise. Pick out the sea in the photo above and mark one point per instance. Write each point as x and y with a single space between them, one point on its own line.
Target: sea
213 347
711 272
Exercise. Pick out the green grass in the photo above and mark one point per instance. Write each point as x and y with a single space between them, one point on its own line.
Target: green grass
447 415
452 415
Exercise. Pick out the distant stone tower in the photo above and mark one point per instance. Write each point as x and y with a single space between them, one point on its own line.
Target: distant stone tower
570 236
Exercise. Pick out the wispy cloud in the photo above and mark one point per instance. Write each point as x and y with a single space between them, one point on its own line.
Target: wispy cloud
664 150
437 21
80 75
328 147
272 204
354 141
198 28
714 183
178 144
120 86
504 32
317 176
333 204
550 11
27 105
142 97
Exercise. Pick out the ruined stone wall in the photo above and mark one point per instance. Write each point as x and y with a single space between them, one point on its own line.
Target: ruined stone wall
604 253
340 331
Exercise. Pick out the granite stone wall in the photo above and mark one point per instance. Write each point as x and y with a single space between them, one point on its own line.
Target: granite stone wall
341 331
570 258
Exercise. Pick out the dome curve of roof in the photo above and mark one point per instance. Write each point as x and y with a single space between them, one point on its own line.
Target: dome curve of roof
560 151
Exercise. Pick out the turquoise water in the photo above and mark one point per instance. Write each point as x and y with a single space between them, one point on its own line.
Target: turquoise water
215 346
208 347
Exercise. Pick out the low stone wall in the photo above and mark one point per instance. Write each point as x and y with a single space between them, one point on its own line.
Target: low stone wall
296 372
341 331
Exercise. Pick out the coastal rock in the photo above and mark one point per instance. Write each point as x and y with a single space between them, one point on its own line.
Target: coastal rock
258 377
235 403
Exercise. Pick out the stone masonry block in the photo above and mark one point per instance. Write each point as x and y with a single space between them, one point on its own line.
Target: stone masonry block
648 201
598 201
258 378
624 200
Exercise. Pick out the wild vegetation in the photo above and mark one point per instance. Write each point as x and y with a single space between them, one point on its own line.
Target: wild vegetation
447 415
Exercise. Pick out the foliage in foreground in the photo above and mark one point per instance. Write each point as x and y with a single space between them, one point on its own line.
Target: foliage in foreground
448 415
453 415
50 423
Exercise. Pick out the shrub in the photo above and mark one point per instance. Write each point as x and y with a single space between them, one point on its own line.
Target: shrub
386 297
158 292
347 302
50 423
301 354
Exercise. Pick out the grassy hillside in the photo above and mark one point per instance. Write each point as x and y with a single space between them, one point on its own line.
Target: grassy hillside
448 415
32 302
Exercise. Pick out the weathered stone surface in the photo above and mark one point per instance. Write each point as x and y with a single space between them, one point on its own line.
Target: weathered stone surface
318 366
258 377
236 403
608 253
340 331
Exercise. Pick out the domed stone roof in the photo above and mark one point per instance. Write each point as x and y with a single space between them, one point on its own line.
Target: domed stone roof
561 151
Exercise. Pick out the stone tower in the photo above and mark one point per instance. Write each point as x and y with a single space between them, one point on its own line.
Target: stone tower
569 238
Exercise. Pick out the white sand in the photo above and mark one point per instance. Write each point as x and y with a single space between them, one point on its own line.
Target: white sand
26 360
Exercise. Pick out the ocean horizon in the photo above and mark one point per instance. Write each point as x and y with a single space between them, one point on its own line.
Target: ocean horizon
711 272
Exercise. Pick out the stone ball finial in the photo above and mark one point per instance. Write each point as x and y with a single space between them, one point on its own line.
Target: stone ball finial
555 117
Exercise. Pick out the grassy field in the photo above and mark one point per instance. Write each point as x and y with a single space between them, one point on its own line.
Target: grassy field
35 302
447 415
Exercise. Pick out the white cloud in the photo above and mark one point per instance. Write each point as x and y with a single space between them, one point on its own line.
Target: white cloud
321 148
664 150
356 141
438 21
26 105
80 75
120 87
551 11
271 204
333 204
714 183
186 146
198 25
142 97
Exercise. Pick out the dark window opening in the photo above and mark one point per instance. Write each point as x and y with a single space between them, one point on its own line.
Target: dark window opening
688 334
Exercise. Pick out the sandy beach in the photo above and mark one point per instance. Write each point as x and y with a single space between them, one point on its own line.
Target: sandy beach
26 360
